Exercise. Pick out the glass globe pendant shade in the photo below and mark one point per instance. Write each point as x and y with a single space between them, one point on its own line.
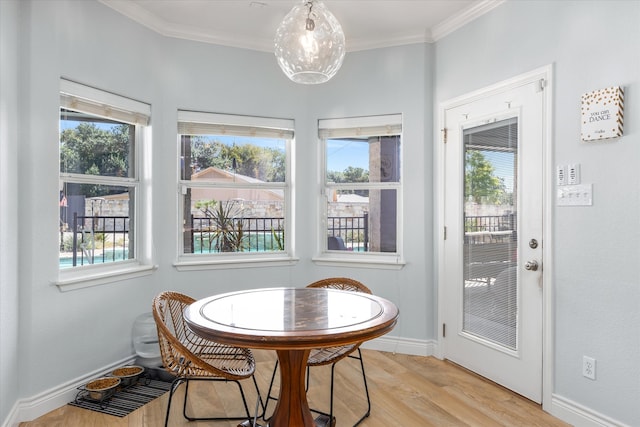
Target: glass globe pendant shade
309 43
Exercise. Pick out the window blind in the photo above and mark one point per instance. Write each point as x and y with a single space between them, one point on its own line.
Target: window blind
197 123
77 97
362 127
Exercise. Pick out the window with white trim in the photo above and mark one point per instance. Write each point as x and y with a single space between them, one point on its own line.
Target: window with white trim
362 187
234 187
100 142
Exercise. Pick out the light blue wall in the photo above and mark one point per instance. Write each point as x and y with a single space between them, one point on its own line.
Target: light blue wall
83 330
596 249
9 118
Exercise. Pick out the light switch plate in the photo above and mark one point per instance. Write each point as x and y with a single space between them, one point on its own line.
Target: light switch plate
575 195
573 174
561 175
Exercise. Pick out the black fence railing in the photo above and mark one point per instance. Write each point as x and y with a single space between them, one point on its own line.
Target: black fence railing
99 239
490 228
354 231
267 234
256 235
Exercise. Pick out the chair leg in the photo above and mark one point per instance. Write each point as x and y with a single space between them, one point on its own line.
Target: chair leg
269 396
186 395
366 390
366 387
174 385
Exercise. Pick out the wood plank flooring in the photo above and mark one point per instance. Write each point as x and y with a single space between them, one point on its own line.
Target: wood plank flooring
405 391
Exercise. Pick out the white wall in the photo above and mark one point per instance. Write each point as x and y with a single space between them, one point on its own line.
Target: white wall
67 335
591 45
9 120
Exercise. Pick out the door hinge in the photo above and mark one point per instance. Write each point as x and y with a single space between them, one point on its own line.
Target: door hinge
445 233
542 83
444 330
444 135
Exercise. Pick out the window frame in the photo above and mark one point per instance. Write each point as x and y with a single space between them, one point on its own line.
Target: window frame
96 102
200 121
379 125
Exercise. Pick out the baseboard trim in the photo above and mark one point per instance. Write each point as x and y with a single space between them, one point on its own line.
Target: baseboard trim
402 345
31 408
34 407
12 418
578 415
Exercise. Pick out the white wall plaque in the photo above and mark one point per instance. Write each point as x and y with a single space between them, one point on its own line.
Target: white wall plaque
602 113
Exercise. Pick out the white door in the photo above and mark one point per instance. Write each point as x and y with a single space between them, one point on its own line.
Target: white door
492 302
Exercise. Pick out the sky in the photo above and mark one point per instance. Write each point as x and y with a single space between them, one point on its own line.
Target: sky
342 154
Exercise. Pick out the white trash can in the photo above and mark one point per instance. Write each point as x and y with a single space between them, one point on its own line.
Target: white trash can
145 341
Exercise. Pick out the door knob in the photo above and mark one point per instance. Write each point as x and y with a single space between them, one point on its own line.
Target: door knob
531 265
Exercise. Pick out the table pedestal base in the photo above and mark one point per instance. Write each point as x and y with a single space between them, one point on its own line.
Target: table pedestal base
292 409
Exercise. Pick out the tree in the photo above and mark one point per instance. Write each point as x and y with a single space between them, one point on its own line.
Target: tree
90 150
350 175
263 163
481 184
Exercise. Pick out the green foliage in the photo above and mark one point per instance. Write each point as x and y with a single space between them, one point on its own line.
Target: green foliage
90 150
278 237
226 234
350 175
263 163
481 184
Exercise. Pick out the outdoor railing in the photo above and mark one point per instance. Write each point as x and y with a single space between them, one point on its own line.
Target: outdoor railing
490 228
93 235
354 231
258 234
267 234
100 239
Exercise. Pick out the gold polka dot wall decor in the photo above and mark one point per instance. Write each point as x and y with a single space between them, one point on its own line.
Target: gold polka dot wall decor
602 114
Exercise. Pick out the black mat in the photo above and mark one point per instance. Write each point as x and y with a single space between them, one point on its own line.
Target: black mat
126 400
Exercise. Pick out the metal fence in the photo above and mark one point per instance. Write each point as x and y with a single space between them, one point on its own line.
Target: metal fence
258 234
267 234
490 228
92 235
354 231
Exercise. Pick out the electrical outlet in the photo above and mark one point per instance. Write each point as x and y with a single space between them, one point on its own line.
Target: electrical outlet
589 367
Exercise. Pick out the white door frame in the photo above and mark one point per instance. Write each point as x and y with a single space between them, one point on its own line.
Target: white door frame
545 74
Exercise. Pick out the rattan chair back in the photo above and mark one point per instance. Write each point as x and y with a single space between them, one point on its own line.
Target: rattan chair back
330 355
185 354
341 283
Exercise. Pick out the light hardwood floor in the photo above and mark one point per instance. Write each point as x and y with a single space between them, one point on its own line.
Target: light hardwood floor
405 391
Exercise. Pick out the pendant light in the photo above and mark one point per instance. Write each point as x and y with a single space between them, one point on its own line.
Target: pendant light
309 43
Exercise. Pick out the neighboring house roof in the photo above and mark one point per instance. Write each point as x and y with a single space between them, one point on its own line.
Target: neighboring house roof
219 175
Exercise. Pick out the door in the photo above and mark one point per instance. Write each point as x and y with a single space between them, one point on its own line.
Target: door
492 302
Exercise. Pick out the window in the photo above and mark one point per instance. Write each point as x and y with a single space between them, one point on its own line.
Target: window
362 188
234 189
101 135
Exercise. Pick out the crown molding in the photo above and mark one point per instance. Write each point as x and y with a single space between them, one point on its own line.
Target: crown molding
142 16
460 20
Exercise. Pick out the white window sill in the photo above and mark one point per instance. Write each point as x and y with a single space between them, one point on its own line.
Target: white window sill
359 261
72 279
229 261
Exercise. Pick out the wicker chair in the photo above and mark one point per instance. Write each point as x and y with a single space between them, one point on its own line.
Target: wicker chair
332 355
192 358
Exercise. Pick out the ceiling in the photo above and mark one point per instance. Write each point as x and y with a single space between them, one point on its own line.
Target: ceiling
252 24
